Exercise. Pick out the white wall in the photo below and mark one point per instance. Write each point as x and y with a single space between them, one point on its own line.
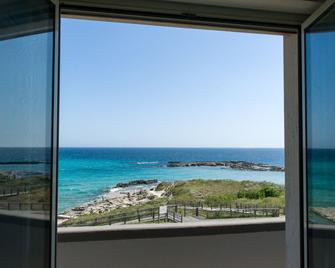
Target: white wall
244 250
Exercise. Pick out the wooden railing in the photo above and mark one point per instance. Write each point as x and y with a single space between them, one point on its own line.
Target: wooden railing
226 210
17 190
178 213
24 206
139 216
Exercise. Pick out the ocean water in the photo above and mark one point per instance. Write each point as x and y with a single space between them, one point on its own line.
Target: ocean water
26 155
85 173
321 182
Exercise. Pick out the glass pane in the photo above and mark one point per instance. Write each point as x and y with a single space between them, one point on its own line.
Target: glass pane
26 83
146 119
320 87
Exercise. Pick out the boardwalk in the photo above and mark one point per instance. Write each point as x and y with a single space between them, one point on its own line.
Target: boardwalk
176 213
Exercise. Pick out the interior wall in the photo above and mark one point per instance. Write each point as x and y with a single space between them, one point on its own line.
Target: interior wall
259 250
23 240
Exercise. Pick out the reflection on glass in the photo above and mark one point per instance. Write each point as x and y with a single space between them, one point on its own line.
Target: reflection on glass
320 108
26 80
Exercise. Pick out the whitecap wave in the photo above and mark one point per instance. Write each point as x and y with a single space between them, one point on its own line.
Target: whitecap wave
147 163
113 190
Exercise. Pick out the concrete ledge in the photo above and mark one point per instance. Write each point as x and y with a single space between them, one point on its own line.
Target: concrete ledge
25 218
138 231
323 231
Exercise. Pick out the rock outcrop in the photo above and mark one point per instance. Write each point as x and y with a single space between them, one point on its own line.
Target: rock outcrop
134 183
240 165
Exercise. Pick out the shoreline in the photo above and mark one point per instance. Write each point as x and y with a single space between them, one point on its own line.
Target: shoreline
115 198
327 213
139 194
210 172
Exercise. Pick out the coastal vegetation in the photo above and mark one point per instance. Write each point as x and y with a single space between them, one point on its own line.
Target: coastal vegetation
213 192
91 217
33 188
183 197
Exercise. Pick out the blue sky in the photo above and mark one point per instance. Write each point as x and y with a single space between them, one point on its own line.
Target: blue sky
128 85
26 91
320 89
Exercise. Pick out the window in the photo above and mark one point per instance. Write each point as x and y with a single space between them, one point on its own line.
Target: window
163 124
26 75
320 56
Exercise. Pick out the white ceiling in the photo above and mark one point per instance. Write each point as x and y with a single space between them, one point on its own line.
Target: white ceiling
287 6
289 12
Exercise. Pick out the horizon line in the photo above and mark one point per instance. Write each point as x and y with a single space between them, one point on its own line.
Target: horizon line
140 147
172 147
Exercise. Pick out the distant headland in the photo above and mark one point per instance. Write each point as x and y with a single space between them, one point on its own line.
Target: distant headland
240 165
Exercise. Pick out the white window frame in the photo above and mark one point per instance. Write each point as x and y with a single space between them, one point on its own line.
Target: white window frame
212 19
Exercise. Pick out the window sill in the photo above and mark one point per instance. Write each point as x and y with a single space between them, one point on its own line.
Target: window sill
137 231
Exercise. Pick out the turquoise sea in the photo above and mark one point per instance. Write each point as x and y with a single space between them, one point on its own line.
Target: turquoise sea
321 182
85 173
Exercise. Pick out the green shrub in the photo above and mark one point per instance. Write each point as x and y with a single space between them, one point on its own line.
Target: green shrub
271 191
264 192
219 199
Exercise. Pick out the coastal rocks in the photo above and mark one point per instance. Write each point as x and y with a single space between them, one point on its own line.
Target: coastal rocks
78 209
135 182
325 212
240 165
115 200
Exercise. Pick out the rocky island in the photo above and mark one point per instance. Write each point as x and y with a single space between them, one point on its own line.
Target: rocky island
135 183
240 165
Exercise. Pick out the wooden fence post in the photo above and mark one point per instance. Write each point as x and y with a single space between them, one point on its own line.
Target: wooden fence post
138 216
159 216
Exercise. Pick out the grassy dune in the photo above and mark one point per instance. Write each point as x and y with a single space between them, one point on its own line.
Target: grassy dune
214 192
207 192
